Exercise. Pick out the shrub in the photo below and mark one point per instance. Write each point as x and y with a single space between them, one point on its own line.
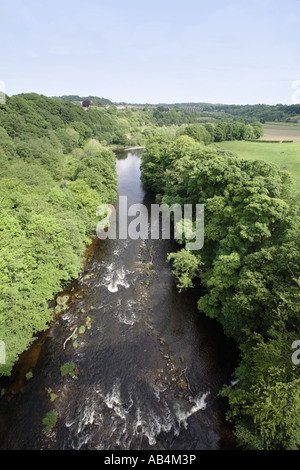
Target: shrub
49 421
67 368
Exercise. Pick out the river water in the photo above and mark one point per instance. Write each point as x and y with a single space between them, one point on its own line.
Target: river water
149 367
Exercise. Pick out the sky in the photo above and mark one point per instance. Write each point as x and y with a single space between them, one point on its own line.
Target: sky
158 51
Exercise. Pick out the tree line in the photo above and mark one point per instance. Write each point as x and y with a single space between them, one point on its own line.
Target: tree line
247 272
260 112
223 130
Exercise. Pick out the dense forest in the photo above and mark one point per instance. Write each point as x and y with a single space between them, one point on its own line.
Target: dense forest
248 273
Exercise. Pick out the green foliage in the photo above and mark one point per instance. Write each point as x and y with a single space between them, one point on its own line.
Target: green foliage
165 116
223 130
155 161
50 421
186 267
249 273
273 406
67 369
52 395
285 155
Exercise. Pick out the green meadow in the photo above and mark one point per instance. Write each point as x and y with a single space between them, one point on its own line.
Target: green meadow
286 155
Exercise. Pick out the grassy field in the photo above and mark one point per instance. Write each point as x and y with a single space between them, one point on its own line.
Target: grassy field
281 131
286 155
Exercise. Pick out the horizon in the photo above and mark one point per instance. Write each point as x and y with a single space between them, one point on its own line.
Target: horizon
228 52
120 102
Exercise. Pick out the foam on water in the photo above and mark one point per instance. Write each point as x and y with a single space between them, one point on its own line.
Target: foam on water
198 403
126 313
115 277
109 417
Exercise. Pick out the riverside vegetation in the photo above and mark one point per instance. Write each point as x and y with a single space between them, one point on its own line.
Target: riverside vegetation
57 166
248 273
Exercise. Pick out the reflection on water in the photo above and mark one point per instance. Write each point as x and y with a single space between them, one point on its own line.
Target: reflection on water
150 367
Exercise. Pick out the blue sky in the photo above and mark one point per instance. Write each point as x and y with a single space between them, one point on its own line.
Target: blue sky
230 51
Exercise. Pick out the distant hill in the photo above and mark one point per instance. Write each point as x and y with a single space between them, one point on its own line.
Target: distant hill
95 100
262 112
259 112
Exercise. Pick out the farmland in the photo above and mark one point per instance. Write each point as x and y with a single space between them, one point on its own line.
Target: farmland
281 131
286 155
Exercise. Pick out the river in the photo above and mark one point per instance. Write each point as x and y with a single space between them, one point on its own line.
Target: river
149 366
